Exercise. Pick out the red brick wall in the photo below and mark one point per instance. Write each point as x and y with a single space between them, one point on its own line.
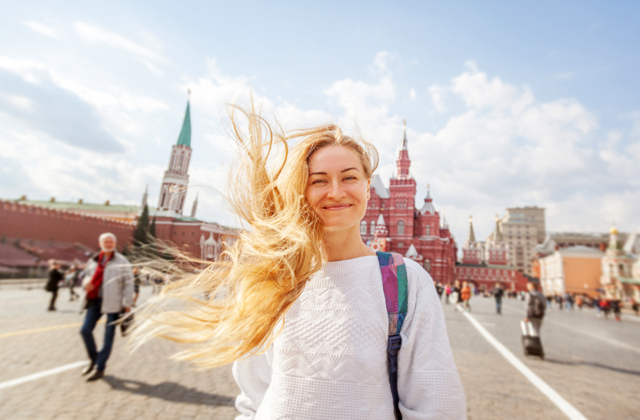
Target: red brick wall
32 222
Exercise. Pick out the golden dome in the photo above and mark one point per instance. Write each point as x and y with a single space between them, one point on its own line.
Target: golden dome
614 230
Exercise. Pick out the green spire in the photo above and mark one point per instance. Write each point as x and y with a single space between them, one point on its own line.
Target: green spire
185 133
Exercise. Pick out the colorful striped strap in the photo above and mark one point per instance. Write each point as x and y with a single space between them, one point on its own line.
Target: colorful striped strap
394 283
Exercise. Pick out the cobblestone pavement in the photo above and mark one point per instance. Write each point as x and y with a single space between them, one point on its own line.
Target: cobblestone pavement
593 363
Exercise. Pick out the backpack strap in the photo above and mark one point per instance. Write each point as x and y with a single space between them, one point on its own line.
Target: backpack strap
394 284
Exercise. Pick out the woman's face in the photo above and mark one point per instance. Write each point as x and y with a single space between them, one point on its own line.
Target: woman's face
338 189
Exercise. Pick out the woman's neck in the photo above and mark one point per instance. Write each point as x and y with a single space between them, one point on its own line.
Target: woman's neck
339 245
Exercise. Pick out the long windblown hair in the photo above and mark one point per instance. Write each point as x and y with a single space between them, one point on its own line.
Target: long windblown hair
235 307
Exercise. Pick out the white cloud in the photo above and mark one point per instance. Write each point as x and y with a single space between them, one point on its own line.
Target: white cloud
19 101
412 94
92 33
43 29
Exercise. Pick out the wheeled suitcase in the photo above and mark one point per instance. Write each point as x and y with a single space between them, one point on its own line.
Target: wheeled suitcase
530 340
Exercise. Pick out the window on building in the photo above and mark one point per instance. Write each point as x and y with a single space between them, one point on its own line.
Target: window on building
180 161
400 245
427 265
427 230
373 227
400 227
363 227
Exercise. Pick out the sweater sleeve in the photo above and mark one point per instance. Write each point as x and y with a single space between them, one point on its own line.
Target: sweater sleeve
253 376
429 386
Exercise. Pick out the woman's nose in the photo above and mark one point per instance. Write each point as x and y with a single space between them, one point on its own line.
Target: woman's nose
336 191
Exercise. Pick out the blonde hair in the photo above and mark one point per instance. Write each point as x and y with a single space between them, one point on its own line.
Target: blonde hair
262 274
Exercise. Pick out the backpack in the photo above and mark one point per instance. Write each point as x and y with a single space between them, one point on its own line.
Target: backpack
536 306
394 284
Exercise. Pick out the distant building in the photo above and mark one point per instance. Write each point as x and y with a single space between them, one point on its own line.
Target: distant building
393 223
576 269
484 264
618 269
523 228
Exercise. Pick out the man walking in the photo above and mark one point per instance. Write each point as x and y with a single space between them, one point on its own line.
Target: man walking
108 282
53 283
498 292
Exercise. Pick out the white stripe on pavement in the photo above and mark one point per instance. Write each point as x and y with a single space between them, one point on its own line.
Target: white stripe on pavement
28 378
560 402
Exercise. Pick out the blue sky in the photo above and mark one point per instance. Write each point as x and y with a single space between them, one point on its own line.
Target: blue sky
507 103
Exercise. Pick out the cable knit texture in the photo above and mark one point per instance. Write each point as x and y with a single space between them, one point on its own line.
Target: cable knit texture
330 361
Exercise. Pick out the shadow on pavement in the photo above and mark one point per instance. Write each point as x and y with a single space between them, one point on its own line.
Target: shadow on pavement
168 391
594 364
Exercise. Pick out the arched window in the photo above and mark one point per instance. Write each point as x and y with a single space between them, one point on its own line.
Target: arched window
172 160
164 195
427 265
180 161
363 227
373 227
428 230
400 227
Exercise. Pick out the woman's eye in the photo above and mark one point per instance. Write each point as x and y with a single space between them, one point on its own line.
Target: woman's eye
350 177
317 181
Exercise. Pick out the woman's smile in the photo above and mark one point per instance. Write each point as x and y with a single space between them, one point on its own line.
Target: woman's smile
336 207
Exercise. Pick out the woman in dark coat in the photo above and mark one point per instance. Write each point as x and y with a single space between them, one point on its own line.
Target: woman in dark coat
55 276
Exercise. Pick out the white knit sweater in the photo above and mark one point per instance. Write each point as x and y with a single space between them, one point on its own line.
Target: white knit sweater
330 361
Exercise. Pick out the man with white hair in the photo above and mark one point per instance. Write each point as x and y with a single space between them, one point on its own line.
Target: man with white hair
108 282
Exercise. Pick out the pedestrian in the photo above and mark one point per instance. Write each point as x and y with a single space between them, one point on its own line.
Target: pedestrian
447 293
605 306
635 306
304 313
535 306
71 280
579 302
498 292
568 301
108 282
137 281
53 283
439 290
615 308
455 295
465 295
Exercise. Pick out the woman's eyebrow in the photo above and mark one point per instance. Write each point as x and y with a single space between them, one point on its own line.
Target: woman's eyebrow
342 171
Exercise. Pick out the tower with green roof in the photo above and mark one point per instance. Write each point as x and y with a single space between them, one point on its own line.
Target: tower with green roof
176 177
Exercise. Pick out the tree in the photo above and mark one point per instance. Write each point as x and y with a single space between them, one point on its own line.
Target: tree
141 234
152 228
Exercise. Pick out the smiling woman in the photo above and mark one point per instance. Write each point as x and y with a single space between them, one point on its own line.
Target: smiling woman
298 302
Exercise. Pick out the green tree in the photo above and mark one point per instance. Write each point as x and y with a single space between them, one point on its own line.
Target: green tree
152 228
141 234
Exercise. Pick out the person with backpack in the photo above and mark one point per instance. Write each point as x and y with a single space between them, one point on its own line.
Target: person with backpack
498 292
317 324
535 304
